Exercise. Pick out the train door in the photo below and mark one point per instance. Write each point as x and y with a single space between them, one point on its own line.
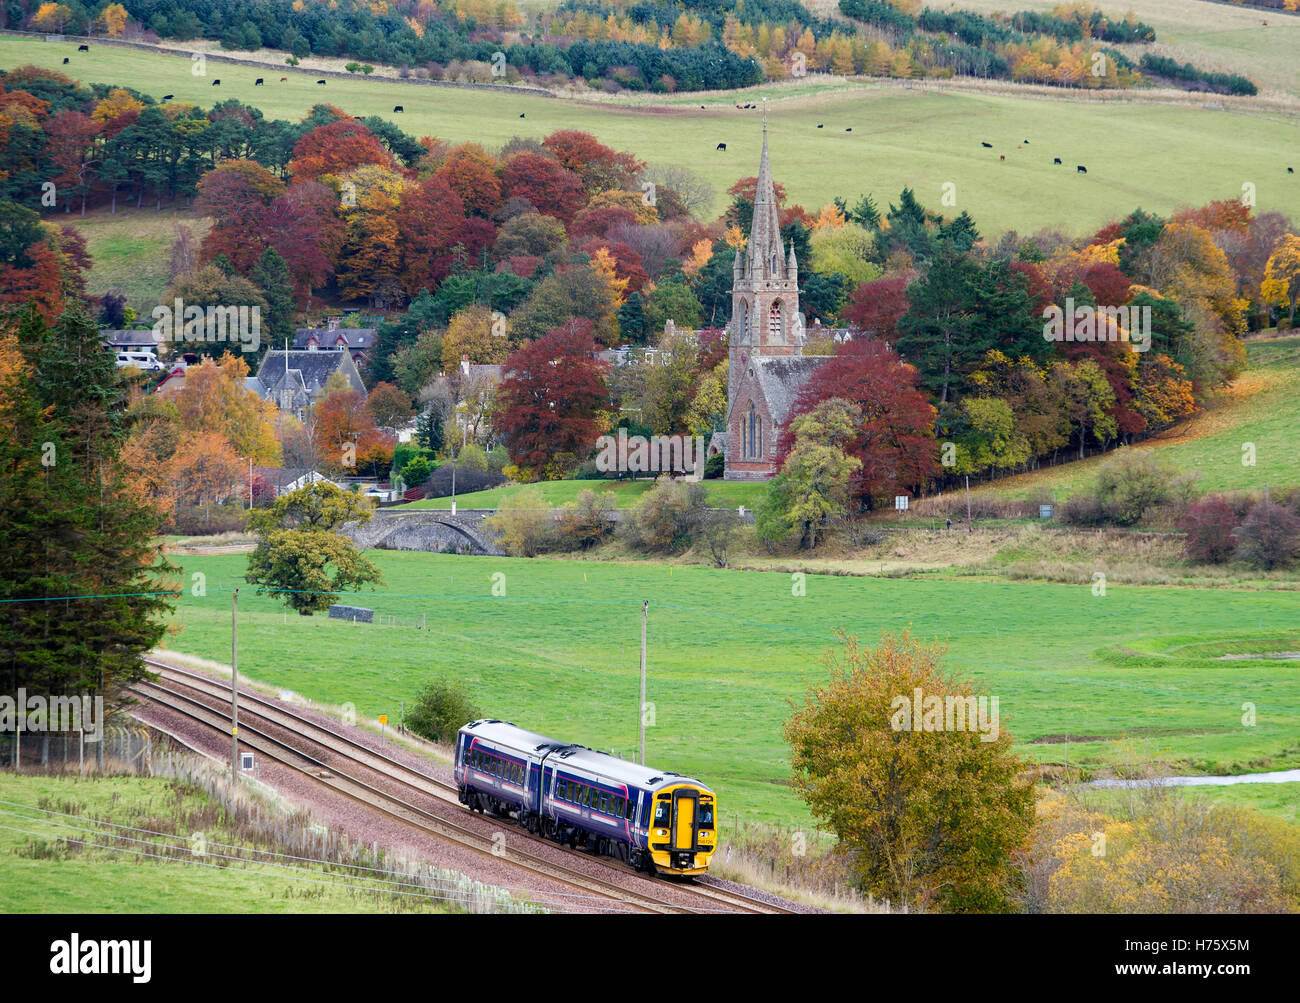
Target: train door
685 803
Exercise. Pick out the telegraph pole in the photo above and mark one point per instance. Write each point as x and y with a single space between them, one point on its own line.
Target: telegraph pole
234 685
645 608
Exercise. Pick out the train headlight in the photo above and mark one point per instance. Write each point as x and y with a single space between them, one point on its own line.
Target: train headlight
661 832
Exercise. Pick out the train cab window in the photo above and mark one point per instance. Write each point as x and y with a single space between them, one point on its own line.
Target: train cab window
663 812
704 819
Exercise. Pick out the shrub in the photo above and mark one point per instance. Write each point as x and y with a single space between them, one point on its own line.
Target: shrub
523 522
1131 483
467 479
715 466
416 472
441 709
1269 538
586 520
497 458
1083 510
473 457
1208 524
668 516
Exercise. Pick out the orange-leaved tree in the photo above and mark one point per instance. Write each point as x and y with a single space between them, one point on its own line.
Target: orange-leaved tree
911 770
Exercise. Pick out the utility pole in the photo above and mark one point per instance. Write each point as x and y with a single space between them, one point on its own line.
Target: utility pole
970 524
645 609
234 685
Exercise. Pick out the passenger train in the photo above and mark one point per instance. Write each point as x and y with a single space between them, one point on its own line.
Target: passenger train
654 820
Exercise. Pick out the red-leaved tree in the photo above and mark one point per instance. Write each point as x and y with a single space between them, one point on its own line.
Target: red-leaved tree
895 440
553 190
549 400
876 306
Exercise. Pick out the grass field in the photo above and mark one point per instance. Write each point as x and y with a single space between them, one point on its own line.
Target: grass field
721 494
40 877
1262 407
729 649
1154 156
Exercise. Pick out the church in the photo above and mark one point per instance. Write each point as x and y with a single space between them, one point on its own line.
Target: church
767 367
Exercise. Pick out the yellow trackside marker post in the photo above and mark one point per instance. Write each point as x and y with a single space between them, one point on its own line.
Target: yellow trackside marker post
383 721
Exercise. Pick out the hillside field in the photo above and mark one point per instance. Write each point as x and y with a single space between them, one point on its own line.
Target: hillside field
721 494
1155 156
1133 676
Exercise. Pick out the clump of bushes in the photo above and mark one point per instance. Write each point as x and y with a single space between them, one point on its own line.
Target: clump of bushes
668 517
1269 538
1130 486
585 521
441 709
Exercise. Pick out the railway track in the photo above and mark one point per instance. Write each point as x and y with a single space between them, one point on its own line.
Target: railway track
356 754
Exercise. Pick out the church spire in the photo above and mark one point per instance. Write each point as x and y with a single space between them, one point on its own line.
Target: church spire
765 258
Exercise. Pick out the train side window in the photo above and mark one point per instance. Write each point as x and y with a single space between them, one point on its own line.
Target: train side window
629 810
604 802
616 806
586 796
562 790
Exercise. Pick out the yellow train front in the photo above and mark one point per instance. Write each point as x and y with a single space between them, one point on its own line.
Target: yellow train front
683 829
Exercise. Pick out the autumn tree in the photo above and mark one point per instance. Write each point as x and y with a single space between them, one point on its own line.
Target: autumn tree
301 556
345 436
578 292
206 470
236 195
431 225
215 400
303 227
475 332
544 183
336 148
813 486
548 402
895 439
390 406
1281 285
932 804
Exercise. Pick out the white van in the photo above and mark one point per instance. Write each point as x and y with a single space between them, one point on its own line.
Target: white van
140 360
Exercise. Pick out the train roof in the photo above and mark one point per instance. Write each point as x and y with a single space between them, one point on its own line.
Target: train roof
577 756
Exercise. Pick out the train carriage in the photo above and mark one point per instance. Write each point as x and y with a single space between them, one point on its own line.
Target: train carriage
653 820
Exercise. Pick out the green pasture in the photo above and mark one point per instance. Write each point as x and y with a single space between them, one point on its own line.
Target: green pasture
721 494
84 879
728 650
1137 154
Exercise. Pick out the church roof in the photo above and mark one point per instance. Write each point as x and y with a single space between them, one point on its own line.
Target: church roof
781 377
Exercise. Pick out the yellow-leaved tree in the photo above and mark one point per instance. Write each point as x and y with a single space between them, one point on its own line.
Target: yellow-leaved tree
932 809
1281 285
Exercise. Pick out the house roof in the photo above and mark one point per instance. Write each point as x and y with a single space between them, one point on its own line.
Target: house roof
130 338
356 338
306 369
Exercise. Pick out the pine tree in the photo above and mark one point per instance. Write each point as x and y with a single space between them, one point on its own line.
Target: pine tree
271 275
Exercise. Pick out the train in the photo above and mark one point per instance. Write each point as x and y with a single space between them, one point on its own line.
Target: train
656 821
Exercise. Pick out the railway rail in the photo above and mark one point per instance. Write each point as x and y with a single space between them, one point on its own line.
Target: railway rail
357 754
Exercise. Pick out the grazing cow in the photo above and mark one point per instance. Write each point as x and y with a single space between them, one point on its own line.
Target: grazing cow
739 107
283 79
321 82
1081 169
987 146
522 114
1056 160
849 129
83 48
701 107
1003 157
819 125
398 107
1026 142
65 60
257 82
1290 170
168 97
722 146
217 82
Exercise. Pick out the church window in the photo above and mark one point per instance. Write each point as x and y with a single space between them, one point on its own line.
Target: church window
774 324
753 434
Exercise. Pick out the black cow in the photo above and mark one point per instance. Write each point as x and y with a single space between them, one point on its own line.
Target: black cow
217 82
849 129
1056 160
321 82
701 107
1290 170
722 146
1026 142
987 146
83 48
1081 169
398 107
168 97
257 82
819 125
65 60
522 115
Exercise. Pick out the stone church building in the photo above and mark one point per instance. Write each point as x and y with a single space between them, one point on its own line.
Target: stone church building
767 366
